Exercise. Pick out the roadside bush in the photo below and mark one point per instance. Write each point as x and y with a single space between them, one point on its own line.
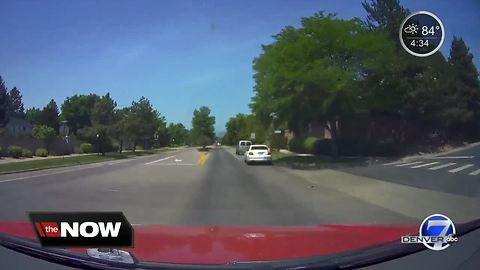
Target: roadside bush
296 145
41 152
310 144
86 148
27 153
323 147
385 148
278 141
115 148
14 151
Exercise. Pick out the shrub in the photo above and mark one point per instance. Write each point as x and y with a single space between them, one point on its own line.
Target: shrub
115 148
14 151
27 153
86 148
41 152
296 145
385 148
310 144
323 147
278 141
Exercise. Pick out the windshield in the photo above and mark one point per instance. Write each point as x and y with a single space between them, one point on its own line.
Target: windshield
258 148
365 115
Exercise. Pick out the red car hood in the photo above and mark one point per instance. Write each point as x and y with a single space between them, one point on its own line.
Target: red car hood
225 244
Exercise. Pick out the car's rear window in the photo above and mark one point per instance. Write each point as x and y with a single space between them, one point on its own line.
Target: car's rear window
249 143
242 143
259 148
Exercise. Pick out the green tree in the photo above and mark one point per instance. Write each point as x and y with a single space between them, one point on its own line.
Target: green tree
178 134
102 120
203 130
141 122
119 128
44 133
50 116
314 73
162 136
34 115
77 110
3 103
385 15
15 102
463 108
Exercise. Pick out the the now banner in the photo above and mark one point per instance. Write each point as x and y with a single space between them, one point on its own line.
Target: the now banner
82 229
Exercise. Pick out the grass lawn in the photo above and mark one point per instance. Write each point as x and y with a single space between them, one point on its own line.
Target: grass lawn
71 161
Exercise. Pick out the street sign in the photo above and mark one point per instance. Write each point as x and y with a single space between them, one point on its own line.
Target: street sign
252 135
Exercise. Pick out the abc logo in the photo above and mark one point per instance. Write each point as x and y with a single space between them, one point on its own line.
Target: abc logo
434 226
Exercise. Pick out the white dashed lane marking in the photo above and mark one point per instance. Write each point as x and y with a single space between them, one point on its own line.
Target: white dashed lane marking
407 164
158 160
442 166
461 168
425 165
475 172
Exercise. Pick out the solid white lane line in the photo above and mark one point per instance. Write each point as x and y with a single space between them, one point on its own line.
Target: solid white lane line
411 163
461 168
453 157
158 160
475 172
47 174
425 165
442 166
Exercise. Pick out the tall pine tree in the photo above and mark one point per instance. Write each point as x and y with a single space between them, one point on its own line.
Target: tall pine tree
3 103
465 95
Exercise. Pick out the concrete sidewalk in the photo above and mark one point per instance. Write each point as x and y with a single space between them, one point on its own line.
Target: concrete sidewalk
410 201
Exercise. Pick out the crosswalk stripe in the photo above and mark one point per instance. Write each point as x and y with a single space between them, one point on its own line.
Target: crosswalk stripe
424 165
394 163
411 163
461 168
442 166
475 172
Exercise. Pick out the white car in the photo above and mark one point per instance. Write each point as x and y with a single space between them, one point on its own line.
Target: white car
258 153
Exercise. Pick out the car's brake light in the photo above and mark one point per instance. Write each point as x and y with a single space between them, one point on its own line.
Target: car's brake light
250 153
269 152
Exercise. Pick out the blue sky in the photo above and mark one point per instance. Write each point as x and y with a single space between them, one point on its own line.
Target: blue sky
179 54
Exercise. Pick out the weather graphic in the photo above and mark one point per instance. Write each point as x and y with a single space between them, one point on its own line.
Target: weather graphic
411 29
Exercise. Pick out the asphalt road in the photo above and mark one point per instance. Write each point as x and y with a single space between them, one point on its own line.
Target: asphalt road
189 187
184 188
456 173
